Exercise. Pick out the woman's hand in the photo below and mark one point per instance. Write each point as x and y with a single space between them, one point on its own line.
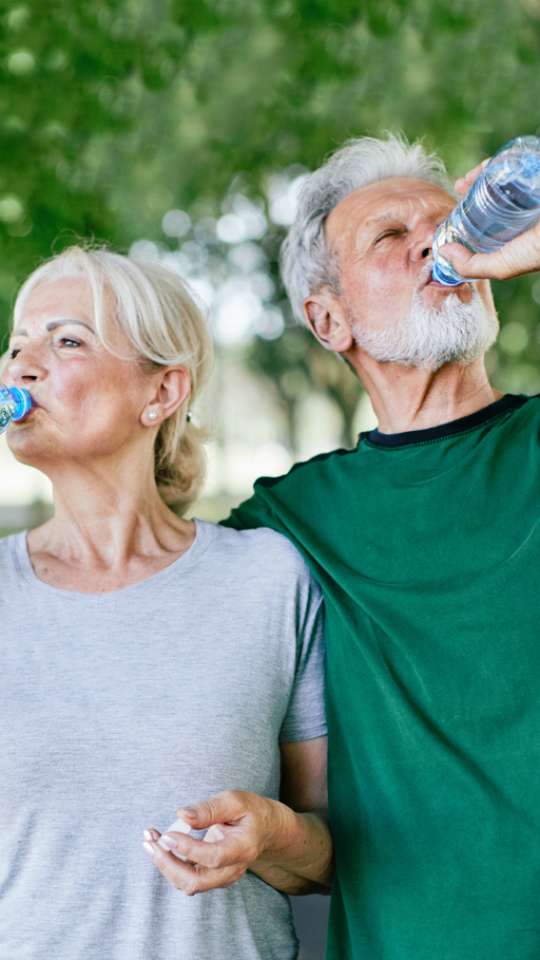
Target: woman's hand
241 826
518 256
288 845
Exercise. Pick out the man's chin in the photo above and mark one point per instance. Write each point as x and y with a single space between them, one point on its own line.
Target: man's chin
446 330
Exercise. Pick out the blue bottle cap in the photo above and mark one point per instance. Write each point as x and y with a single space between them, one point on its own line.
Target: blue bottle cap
23 402
443 276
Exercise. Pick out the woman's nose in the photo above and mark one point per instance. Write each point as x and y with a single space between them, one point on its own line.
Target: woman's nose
26 366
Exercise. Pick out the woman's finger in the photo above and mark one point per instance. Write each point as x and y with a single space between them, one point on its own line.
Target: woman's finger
151 834
192 878
213 855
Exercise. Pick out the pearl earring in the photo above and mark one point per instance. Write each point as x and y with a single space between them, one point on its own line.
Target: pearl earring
152 414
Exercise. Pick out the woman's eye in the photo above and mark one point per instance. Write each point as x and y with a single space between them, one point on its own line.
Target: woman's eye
69 342
13 353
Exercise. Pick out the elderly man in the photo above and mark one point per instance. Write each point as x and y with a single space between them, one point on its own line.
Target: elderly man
426 541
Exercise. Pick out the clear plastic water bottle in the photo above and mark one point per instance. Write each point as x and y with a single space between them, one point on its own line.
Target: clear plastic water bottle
15 404
503 202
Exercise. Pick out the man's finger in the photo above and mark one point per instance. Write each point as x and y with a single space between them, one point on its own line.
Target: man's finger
515 258
460 258
462 184
475 266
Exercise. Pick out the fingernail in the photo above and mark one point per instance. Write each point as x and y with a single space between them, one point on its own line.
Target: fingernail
149 849
148 835
186 812
167 842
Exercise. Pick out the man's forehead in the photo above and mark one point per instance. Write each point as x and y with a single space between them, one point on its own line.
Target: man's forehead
386 199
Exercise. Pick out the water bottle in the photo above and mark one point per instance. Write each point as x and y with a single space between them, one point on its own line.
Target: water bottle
15 404
503 202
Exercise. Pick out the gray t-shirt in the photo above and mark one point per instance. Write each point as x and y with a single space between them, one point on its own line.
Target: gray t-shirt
117 708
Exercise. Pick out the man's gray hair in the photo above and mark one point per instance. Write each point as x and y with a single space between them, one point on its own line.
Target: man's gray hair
306 263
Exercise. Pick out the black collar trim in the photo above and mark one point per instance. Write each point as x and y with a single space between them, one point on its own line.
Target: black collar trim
509 402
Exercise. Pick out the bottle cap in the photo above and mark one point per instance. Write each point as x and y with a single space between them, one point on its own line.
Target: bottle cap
23 403
441 275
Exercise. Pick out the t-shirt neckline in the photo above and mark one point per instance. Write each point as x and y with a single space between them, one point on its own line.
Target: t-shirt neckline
508 402
191 556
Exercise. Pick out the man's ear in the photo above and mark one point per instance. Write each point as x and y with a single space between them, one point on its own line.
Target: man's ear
327 321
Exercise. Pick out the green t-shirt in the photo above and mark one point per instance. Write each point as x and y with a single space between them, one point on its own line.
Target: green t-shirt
427 547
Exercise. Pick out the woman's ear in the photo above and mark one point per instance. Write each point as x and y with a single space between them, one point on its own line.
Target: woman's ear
172 389
327 321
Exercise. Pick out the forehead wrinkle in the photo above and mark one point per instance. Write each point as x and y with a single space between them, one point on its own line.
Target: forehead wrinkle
415 202
388 216
401 209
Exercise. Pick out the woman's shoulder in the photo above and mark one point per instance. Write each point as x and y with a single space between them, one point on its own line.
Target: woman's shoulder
12 548
262 546
10 545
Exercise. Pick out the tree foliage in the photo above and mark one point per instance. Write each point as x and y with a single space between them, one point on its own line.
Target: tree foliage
113 113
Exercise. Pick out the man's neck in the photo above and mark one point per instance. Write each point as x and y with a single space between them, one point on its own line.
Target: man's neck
407 398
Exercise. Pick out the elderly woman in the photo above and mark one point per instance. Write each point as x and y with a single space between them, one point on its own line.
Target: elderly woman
151 664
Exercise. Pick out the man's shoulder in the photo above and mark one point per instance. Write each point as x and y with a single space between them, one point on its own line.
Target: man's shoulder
307 471
281 502
524 419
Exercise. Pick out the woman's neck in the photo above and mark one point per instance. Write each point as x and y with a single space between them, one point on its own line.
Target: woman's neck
102 523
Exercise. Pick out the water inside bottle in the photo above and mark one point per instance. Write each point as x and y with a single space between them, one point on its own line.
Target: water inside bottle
6 413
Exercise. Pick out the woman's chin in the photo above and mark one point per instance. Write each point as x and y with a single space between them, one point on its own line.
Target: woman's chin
25 445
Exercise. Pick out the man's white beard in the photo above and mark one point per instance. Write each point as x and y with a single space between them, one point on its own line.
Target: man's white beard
432 336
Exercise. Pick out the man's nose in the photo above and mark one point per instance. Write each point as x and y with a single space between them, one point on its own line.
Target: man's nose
423 242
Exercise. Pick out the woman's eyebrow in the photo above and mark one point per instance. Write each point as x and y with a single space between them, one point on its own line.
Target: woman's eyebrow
53 325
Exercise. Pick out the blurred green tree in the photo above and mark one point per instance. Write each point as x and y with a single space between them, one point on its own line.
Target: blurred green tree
114 114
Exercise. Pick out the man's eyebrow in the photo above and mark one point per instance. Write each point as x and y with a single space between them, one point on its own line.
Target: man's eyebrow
389 216
53 325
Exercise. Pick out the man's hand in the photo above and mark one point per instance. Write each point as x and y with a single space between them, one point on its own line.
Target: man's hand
518 256
241 826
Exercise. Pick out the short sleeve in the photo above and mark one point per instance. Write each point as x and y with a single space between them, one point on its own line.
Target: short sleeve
305 718
253 512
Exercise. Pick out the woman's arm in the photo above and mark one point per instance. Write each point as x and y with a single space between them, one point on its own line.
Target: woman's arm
299 860
287 846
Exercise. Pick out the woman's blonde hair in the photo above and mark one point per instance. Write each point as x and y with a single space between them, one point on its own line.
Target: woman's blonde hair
160 317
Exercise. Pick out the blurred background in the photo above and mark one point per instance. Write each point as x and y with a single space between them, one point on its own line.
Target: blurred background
183 130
